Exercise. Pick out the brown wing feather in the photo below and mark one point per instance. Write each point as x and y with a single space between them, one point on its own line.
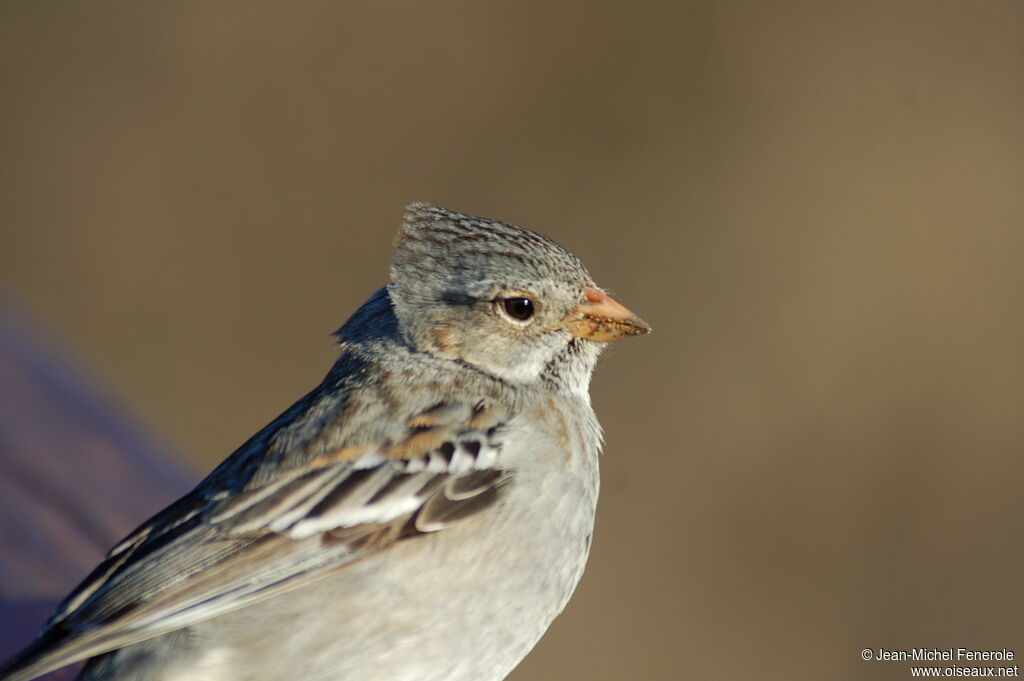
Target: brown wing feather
219 549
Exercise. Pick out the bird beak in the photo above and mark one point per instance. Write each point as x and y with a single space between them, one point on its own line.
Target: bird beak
601 319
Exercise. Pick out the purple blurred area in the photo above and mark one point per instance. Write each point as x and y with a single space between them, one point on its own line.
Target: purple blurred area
18 622
75 476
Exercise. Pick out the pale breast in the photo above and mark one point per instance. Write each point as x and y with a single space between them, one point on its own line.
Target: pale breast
463 604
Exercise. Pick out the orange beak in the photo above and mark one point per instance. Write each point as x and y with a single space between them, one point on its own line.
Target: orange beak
601 319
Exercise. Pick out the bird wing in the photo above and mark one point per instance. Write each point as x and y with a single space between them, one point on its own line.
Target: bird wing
218 549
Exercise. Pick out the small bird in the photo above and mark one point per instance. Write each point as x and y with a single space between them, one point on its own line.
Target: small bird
422 515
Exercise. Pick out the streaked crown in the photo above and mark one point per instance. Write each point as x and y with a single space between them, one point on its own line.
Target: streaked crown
438 248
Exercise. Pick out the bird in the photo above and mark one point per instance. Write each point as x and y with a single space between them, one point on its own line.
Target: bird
423 514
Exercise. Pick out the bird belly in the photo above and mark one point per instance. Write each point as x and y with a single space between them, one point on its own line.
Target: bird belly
466 603
463 604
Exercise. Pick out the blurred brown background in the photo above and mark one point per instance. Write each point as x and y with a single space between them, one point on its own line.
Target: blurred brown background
817 205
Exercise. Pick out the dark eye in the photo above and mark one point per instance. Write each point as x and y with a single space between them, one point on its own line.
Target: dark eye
518 308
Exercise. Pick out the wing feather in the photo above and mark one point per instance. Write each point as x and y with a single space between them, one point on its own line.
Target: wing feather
221 548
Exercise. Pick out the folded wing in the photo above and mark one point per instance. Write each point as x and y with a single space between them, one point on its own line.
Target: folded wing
217 550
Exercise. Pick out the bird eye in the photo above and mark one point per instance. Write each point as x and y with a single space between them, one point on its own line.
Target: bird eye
519 309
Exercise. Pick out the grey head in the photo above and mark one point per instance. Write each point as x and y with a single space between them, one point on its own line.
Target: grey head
502 299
